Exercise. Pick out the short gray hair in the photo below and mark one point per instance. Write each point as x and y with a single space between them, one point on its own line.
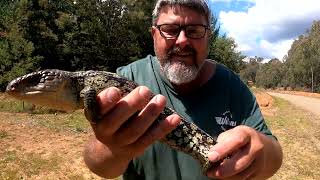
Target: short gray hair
200 6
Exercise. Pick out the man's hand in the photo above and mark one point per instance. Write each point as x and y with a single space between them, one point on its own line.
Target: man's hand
126 129
248 154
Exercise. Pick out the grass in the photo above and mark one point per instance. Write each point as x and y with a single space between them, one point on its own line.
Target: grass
61 122
3 134
42 116
298 132
9 104
15 166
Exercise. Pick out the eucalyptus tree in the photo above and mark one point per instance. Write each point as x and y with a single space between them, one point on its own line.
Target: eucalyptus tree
303 60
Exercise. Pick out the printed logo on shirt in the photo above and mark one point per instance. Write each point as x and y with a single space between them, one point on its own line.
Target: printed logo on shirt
225 121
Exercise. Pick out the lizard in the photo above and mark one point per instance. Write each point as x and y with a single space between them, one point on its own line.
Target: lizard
69 91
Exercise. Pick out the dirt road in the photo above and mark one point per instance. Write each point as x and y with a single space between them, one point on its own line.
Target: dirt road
307 103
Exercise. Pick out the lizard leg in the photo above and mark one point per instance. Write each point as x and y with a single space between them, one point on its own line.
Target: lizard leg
91 107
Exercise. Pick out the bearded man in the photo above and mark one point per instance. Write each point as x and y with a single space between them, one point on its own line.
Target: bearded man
201 90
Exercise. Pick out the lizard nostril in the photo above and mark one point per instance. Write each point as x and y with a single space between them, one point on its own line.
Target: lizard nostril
11 89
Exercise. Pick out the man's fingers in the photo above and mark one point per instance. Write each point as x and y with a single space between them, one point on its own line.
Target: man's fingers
243 148
157 132
247 173
108 98
225 147
138 125
238 162
124 109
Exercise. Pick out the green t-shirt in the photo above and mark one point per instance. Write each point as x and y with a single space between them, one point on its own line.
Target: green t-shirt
221 104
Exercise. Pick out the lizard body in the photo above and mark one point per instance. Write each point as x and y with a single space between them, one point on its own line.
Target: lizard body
70 91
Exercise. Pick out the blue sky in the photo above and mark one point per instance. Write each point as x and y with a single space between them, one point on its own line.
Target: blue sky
265 28
237 6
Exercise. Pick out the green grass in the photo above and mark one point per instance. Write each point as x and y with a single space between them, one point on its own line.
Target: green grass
9 104
13 165
45 117
3 134
297 131
61 122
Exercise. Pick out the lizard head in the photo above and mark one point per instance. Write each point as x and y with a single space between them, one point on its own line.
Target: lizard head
52 88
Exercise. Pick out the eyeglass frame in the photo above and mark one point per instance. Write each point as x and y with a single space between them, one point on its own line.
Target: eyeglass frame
182 27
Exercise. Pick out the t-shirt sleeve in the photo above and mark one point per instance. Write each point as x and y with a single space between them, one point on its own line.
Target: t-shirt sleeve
125 71
252 113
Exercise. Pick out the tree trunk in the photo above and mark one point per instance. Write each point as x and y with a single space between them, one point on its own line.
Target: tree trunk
312 88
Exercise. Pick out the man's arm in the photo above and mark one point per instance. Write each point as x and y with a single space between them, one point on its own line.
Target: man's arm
123 134
251 155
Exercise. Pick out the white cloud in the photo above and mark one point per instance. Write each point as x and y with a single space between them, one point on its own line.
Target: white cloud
269 27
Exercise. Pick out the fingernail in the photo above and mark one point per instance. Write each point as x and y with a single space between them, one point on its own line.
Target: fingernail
156 99
213 156
159 99
112 95
144 92
174 119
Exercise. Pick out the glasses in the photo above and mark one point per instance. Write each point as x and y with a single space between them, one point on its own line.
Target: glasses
172 31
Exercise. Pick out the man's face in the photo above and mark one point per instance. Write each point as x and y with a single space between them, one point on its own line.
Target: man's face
180 58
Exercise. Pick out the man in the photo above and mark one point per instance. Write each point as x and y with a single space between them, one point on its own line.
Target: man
200 90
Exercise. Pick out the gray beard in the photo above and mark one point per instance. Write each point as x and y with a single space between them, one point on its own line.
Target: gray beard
178 72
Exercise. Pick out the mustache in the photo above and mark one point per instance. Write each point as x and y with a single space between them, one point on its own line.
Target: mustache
179 50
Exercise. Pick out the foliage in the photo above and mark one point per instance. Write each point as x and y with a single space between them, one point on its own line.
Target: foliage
84 34
303 60
16 51
298 69
223 50
249 72
103 38
269 75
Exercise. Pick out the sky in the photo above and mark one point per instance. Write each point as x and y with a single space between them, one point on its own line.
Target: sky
265 28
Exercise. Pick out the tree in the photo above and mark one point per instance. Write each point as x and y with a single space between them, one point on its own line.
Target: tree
270 74
104 37
224 50
16 56
42 29
312 52
249 72
85 34
303 60
141 22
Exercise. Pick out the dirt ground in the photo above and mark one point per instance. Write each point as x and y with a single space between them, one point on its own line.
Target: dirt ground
300 93
310 104
265 100
43 151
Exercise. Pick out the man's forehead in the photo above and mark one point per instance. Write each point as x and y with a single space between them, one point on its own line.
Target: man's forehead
180 11
176 9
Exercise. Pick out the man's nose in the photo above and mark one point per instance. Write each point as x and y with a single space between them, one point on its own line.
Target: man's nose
182 40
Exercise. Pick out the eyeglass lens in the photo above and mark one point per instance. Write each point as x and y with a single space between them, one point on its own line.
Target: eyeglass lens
173 30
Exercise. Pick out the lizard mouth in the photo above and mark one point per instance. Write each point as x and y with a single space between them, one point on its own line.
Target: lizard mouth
24 84
38 92
33 92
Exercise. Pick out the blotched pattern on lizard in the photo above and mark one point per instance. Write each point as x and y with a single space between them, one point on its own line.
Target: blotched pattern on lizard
69 91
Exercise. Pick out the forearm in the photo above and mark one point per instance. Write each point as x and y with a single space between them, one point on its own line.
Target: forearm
102 162
272 157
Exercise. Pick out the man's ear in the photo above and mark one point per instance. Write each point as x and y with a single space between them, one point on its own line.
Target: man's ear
209 31
153 31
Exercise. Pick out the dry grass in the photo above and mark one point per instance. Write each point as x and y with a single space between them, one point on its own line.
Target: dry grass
299 134
49 146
